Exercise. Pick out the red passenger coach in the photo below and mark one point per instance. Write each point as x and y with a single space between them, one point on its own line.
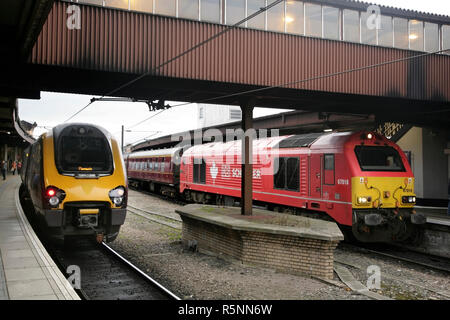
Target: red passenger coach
361 180
156 170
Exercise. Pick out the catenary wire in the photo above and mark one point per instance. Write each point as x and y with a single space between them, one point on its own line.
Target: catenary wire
334 74
293 83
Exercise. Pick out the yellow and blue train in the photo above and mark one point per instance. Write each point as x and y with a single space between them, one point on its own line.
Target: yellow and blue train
74 176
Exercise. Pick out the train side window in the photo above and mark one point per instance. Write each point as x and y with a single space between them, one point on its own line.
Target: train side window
196 174
288 176
199 171
328 165
203 172
279 178
292 174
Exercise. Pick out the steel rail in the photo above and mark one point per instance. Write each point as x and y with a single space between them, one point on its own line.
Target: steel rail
139 271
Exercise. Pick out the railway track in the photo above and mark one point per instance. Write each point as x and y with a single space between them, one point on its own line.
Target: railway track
399 253
441 264
105 274
164 219
176 200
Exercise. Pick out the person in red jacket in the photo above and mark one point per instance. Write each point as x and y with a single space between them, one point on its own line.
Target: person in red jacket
14 167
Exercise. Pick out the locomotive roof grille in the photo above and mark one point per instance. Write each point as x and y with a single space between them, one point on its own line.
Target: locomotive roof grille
300 140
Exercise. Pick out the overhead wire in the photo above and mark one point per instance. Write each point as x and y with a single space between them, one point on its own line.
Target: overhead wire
334 74
228 28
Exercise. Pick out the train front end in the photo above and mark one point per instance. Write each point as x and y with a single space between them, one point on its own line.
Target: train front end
382 185
85 185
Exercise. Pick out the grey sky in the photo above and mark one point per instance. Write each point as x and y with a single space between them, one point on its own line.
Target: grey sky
54 108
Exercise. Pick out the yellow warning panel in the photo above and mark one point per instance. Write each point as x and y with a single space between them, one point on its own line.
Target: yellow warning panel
89 211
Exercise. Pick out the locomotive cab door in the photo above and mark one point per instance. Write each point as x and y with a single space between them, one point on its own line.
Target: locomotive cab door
315 175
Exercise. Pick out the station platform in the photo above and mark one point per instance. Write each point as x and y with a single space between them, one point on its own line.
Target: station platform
435 215
27 272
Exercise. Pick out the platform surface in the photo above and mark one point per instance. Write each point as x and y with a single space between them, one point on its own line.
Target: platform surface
26 270
230 217
435 215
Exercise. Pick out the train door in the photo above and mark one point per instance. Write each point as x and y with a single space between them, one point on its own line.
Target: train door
315 177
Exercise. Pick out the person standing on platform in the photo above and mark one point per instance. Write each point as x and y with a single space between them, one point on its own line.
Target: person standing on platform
4 167
14 167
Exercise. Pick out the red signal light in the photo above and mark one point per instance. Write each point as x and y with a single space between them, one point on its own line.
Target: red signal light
51 192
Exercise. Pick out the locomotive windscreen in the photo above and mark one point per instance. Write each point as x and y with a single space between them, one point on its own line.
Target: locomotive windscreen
83 150
379 159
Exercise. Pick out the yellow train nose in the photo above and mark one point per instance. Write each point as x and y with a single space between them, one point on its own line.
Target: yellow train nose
385 192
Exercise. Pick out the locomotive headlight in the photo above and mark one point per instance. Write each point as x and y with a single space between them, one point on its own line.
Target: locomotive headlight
364 200
54 201
54 196
409 199
117 196
118 201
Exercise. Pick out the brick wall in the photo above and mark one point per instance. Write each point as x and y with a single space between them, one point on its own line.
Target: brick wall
291 254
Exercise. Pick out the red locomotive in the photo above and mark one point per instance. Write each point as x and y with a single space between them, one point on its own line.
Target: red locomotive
361 180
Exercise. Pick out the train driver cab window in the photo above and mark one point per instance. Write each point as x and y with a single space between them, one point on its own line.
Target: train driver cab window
379 159
199 171
83 149
286 176
328 166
